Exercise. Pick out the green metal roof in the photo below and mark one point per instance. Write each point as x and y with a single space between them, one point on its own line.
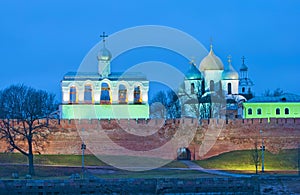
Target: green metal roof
287 97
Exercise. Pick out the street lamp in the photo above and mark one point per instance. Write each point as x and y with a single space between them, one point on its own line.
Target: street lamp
262 152
83 147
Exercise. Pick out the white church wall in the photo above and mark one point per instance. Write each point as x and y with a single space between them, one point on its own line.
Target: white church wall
212 75
188 86
234 86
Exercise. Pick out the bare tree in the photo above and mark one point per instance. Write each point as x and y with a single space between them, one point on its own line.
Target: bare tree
193 101
159 104
173 106
21 109
165 105
255 156
200 104
267 93
277 92
203 104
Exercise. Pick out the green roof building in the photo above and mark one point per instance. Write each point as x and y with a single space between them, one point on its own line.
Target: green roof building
284 106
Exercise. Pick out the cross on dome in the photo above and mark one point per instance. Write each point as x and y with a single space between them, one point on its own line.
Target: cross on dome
211 43
103 36
192 61
243 59
229 59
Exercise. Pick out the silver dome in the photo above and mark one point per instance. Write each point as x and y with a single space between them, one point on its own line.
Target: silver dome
104 55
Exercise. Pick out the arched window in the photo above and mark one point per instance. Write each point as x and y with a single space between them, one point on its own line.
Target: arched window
229 88
286 111
277 111
249 90
243 90
211 85
105 94
192 88
73 94
88 93
259 111
137 95
249 111
122 94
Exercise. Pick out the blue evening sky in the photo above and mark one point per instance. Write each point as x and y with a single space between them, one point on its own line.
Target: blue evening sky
42 40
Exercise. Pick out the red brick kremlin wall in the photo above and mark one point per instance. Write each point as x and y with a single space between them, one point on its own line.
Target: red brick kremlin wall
212 137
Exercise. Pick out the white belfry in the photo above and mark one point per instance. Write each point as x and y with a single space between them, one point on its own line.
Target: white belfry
104 94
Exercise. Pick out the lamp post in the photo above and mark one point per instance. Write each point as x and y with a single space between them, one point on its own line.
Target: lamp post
262 152
83 147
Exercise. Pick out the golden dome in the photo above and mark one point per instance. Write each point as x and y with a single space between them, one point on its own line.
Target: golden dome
211 62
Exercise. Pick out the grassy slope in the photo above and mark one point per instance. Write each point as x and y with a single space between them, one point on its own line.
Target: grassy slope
236 160
71 160
241 160
90 160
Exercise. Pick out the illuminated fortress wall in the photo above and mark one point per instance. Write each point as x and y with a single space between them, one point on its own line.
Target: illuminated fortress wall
232 135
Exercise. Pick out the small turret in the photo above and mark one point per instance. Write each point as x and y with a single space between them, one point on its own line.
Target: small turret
245 84
104 56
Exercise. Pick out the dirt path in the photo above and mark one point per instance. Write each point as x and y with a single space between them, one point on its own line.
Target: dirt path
194 166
